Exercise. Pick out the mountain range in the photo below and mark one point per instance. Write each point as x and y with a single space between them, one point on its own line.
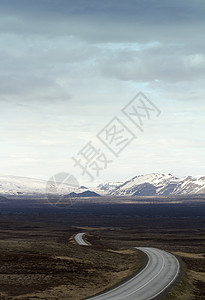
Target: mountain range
156 184
141 185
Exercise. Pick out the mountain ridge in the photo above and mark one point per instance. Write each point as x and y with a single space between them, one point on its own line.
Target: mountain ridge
159 184
140 185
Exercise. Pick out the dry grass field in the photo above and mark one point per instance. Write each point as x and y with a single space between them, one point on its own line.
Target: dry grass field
40 260
43 262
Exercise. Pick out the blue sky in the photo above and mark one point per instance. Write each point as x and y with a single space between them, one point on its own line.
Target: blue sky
69 67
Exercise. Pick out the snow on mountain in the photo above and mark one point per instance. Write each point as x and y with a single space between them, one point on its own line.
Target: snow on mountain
14 185
108 186
157 184
142 185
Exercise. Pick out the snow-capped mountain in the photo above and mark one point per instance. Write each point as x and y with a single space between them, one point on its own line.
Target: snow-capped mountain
157 184
15 185
142 185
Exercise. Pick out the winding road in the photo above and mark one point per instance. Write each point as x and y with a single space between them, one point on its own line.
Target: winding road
160 272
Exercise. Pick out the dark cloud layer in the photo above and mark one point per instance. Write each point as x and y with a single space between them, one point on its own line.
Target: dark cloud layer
45 42
140 10
101 21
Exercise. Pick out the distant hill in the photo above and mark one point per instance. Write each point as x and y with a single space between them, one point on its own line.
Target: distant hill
83 194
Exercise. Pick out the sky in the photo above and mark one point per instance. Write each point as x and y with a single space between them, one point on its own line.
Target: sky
68 68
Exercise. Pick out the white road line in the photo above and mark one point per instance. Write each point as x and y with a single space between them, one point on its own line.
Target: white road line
128 281
146 282
177 273
125 283
135 278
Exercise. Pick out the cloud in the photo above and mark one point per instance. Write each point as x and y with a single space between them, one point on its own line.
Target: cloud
68 67
37 68
98 21
163 62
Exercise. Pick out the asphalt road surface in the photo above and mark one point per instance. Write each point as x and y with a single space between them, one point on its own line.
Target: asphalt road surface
79 239
160 272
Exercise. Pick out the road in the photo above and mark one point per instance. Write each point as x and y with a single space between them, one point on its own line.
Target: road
160 272
79 239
